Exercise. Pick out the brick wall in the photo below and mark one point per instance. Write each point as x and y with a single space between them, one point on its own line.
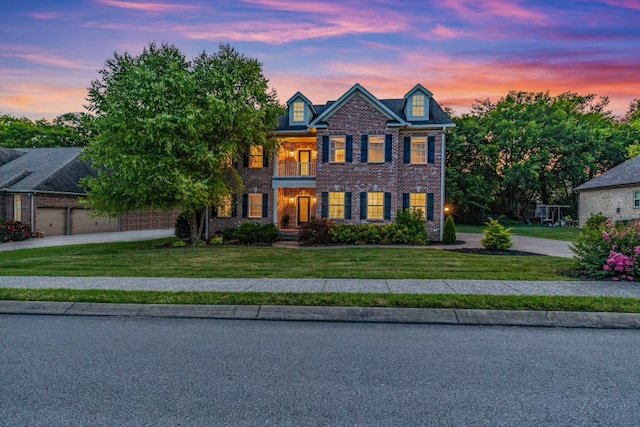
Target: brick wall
148 220
357 117
608 201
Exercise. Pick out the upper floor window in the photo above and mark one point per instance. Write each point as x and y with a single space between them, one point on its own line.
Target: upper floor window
298 111
376 149
256 157
636 199
419 150
337 149
255 205
336 204
224 210
375 205
417 109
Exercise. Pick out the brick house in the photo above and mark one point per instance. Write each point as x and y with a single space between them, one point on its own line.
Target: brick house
355 160
615 194
40 187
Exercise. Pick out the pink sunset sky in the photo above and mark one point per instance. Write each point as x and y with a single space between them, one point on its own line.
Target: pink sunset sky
461 50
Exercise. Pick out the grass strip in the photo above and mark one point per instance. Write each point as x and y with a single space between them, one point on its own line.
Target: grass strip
486 302
565 234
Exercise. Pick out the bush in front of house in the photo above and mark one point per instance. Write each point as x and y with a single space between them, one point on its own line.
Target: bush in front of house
315 232
449 235
182 229
251 233
496 237
409 229
595 222
612 251
15 231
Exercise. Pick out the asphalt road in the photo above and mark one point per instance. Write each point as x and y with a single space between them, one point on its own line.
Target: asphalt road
99 371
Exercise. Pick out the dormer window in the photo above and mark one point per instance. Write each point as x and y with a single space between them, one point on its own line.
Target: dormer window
418 106
298 111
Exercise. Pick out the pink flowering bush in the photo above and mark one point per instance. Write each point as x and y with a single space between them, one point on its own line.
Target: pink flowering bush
610 251
14 230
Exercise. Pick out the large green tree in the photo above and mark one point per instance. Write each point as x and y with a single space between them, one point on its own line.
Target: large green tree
527 147
67 130
167 130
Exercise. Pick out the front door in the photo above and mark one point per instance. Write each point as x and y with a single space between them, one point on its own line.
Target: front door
304 206
304 157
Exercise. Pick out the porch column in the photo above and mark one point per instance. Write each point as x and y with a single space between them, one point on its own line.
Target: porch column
275 207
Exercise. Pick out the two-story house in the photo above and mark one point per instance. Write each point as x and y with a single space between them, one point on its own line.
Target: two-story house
355 160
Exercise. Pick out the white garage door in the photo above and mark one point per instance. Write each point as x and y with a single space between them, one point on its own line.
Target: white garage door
51 221
83 223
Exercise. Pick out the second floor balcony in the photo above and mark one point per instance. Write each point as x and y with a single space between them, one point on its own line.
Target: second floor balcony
296 169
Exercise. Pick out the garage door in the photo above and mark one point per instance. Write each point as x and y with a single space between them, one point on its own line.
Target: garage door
51 221
83 223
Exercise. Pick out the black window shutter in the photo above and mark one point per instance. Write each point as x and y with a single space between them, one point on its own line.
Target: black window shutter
430 206
406 201
387 206
431 147
325 149
245 205
349 144
234 206
265 205
347 205
245 160
387 147
363 205
324 213
407 149
364 148
214 212
265 158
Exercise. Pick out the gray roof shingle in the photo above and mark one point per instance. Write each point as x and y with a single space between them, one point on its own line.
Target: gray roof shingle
43 169
627 173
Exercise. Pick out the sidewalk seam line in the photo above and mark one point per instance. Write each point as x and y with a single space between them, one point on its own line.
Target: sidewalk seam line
69 308
258 312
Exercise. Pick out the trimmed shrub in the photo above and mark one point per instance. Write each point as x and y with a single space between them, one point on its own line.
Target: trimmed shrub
315 232
182 229
496 237
14 231
449 230
215 241
612 251
179 244
595 222
251 233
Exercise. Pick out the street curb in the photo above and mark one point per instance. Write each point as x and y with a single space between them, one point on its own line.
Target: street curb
561 319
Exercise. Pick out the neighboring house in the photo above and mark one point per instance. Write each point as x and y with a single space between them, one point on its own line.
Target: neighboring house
615 193
357 160
40 187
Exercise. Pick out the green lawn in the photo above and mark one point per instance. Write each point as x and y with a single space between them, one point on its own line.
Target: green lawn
567 234
143 259
485 302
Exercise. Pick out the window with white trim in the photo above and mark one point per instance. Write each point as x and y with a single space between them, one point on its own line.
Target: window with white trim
337 149
418 201
375 205
636 199
375 149
225 209
419 150
417 109
256 157
17 207
336 204
255 205
298 111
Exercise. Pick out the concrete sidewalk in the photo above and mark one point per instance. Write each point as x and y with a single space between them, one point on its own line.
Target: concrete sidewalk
337 314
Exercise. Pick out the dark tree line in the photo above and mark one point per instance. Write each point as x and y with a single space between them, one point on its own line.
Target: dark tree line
67 130
503 157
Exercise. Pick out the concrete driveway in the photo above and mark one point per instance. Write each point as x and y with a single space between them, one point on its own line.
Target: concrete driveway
525 244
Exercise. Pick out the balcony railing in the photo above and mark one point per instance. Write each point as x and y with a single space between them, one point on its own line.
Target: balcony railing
295 169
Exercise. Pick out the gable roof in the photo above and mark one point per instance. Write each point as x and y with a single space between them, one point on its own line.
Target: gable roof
627 173
356 89
304 98
43 169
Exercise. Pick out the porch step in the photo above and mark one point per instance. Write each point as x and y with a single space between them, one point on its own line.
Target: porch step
288 236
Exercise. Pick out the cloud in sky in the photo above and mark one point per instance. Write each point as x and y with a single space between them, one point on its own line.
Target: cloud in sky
461 50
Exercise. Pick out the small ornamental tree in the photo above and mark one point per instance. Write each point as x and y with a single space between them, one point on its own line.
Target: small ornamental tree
449 230
496 237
